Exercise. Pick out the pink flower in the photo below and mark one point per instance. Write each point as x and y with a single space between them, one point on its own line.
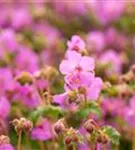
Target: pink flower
130 112
21 19
78 79
27 94
6 80
64 101
112 59
86 80
76 44
25 64
75 61
43 131
96 40
6 147
8 42
4 107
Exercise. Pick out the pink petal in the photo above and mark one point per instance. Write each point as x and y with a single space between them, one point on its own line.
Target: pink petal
60 99
73 56
67 67
87 63
94 89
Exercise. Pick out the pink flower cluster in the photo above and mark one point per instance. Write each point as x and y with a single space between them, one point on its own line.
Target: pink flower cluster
79 74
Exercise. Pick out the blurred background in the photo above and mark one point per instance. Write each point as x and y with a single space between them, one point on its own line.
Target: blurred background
34 34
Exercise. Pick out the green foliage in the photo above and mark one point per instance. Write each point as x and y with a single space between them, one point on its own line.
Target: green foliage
46 111
112 133
92 107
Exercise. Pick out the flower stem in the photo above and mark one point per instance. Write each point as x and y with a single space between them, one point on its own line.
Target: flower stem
85 100
74 147
41 144
133 142
19 140
104 147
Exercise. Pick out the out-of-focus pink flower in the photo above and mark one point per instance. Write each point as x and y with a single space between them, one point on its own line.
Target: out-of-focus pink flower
112 60
76 44
43 131
41 84
96 41
70 9
21 19
83 146
6 147
130 112
4 107
8 43
6 80
27 94
27 60
75 61
110 107
49 34
115 39
107 11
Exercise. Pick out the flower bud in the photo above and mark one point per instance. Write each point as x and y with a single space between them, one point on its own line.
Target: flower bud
72 136
84 52
28 126
24 78
82 90
48 97
59 126
68 140
49 72
22 124
128 77
90 125
72 96
102 138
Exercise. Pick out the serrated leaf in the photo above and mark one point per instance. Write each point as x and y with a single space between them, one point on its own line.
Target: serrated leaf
112 133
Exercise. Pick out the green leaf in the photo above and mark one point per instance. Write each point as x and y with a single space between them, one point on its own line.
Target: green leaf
92 107
47 111
112 133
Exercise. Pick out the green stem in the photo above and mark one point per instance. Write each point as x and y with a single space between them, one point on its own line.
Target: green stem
19 140
41 144
74 147
133 142
85 100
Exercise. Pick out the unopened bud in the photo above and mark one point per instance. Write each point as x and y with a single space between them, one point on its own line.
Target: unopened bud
68 140
84 53
48 97
59 126
49 72
128 77
28 126
22 124
90 125
102 138
72 96
82 90
24 78
72 136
